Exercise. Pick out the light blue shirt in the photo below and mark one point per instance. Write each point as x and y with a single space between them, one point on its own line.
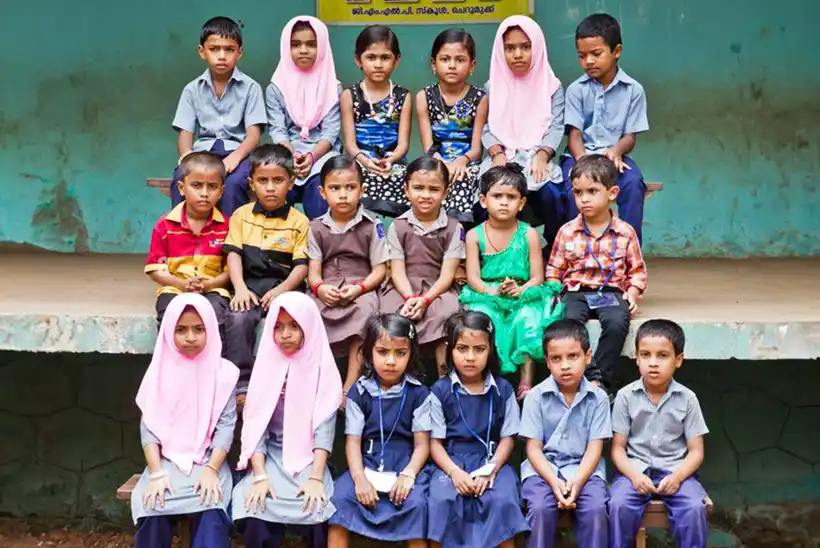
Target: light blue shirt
606 115
355 419
512 416
225 118
566 430
555 131
656 436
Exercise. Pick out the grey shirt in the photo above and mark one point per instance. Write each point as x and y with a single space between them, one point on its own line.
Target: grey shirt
657 435
355 419
455 249
282 128
379 253
226 118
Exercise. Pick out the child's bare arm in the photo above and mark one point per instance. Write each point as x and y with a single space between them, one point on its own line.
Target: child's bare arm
444 281
405 126
423 117
398 274
376 276
694 458
536 260
348 124
421 452
576 142
473 266
474 154
218 282
185 143
166 279
253 136
235 271
619 458
589 462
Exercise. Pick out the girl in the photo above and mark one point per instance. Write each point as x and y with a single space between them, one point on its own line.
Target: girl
387 422
505 274
526 118
376 119
303 107
474 499
448 114
288 437
347 256
426 247
188 417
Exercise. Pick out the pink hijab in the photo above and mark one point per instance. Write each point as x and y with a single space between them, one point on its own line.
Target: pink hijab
182 398
309 95
313 391
521 107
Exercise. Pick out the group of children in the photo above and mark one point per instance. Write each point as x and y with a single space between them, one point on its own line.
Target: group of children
466 423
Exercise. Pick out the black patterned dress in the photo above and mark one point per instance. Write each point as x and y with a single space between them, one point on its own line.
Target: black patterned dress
452 137
377 135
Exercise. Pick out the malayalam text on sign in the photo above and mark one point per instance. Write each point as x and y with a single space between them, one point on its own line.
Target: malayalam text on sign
408 12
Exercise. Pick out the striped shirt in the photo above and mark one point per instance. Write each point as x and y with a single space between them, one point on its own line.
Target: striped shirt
573 262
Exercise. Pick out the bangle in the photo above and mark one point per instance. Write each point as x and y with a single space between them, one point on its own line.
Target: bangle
408 475
212 467
260 479
357 155
453 469
315 288
314 478
312 158
362 286
157 475
469 160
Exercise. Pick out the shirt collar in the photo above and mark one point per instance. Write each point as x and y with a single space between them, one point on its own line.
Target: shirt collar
620 77
281 213
674 387
550 386
440 222
581 226
207 77
177 215
328 221
371 385
489 382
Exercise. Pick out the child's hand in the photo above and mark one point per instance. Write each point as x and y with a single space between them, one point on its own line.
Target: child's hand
208 487
401 490
257 495
643 485
414 308
349 293
668 485
572 494
631 299
195 285
538 169
314 492
510 288
458 169
329 295
302 164
500 159
560 491
243 300
617 159
231 162
156 490
483 483
463 483
268 297
366 494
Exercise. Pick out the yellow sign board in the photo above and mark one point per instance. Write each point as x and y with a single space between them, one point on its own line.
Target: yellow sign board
413 12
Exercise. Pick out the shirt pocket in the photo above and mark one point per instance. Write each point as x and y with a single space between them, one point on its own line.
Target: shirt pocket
672 418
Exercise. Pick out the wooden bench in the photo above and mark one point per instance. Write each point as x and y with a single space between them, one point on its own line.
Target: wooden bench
164 186
654 518
124 493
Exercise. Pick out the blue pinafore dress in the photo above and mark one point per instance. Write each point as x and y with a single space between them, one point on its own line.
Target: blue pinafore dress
405 410
455 521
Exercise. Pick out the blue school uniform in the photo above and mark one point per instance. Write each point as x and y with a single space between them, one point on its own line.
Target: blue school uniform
604 115
466 423
565 431
219 125
393 416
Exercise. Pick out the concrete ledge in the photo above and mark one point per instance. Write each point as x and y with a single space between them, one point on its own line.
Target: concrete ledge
730 309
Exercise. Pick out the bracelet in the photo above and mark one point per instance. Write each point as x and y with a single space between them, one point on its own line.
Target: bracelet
260 479
408 475
157 475
357 155
315 288
362 286
312 158
453 469
469 160
314 478
212 467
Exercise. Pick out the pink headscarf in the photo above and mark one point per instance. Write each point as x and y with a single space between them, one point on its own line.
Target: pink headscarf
309 95
314 387
521 107
182 398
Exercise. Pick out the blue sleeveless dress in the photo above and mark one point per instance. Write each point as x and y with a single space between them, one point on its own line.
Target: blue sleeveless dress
456 521
386 522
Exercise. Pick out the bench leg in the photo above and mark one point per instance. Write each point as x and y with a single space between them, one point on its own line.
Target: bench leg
640 540
185 533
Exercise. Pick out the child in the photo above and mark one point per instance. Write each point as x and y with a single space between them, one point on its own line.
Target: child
188 418
597 259
376 120
303 107
474 499
266 247
526 118
505 274
426 247
348 256
657 444
186 245
383 496
606 110
288 437
448 114
222 111
566 420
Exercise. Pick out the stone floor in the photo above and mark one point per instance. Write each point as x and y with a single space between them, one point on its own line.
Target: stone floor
745 309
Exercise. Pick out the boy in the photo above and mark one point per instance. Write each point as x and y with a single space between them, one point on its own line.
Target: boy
597 259
222 111
566 420
657 446
605 110
266 247
186 244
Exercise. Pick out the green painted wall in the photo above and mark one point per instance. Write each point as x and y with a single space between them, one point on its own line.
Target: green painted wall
91 88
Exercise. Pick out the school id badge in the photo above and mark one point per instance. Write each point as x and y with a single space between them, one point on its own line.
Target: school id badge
600 299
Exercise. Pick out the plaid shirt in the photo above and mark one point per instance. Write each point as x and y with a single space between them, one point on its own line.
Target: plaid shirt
574 265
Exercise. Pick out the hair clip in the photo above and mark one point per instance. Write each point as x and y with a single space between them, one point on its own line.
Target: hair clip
490 328
412 334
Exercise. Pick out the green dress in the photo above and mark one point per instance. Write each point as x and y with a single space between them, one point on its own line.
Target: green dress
519 322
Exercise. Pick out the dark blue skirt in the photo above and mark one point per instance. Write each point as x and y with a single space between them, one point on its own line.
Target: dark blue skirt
386 522
456 521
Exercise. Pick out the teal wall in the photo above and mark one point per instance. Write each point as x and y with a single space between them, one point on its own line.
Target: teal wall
91 87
